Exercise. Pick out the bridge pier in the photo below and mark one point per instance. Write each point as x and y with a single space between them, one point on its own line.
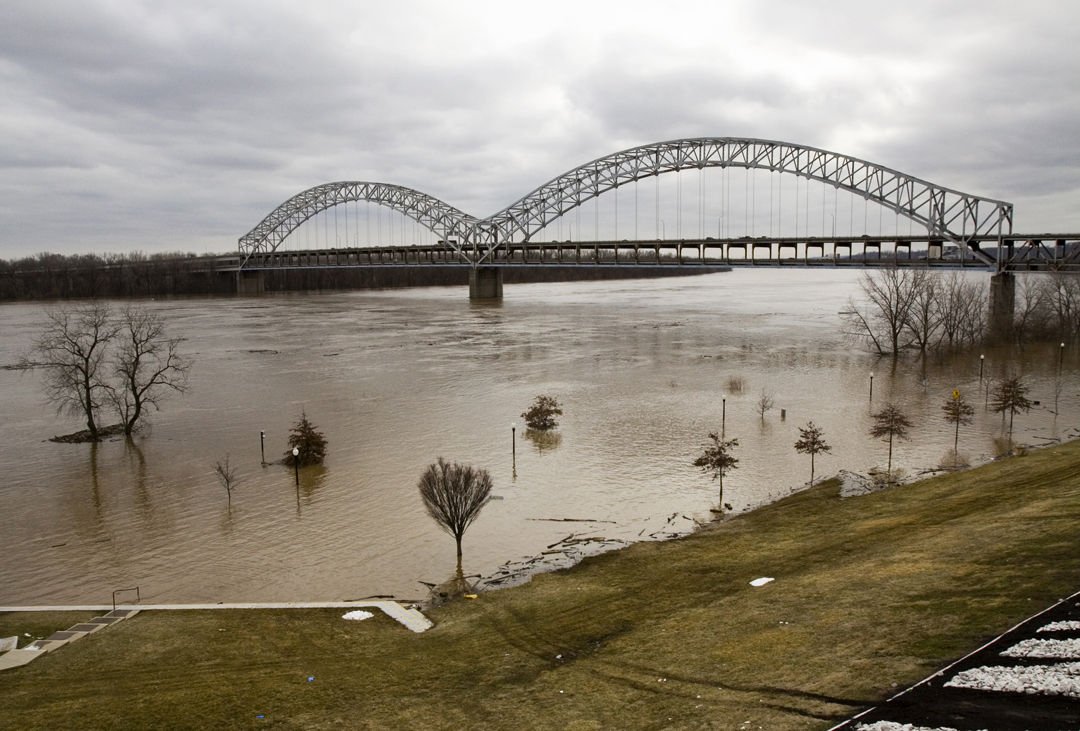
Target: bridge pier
1002 301
248 282
485 283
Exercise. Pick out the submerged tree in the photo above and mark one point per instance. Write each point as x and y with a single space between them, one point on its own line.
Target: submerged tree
957 411
72 350
541 415
147 365
890 423
718 459
226 474
764 403
811 441
454 494
309 441
1010 395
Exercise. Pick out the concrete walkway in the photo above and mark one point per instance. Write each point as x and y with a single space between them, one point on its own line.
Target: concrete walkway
414 619
21 656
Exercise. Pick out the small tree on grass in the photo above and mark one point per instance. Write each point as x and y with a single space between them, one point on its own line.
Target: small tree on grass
541 415
890 423
308 440
718 459
454 494
957 411
1010 395
226 474
811 442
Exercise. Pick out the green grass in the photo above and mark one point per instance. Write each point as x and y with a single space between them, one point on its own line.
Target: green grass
871 594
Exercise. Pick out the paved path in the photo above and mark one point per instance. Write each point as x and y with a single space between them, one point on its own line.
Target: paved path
1026 679
411 618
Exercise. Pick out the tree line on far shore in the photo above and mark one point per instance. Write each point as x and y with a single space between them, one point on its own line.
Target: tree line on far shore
55 276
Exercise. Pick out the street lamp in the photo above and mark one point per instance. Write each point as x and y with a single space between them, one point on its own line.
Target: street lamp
262 446
1061 357
982 360
513 446
871 385
723 415
296 464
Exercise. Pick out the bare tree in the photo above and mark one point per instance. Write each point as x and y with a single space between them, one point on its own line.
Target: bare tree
1010 395
718 459
890 423
764 403
226 474
890 295
454 494
957 411
923 321
961 309
72 350
811 441
147 364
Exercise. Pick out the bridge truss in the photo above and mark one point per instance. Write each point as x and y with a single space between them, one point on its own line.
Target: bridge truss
951 215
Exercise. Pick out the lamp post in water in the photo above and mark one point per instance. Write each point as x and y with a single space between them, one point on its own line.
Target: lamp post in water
871 386
296 464
723 415
513 447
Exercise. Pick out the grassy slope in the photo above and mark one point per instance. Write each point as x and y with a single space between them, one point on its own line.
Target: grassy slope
870 592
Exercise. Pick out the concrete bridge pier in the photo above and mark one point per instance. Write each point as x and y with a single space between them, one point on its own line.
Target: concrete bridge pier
1002 301
250 282
485 283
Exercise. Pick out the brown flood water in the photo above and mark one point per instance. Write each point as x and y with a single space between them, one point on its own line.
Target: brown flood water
397 378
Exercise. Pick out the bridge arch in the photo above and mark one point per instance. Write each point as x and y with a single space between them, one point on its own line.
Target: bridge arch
449 223
944 212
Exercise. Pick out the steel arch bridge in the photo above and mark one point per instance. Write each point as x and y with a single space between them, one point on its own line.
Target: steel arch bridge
946 213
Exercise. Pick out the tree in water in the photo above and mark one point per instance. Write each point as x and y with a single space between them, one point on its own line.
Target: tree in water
226 474
812 442
890 423
957 411
764 403
454 494
718 459
72 351
147 365
308 440
541 415
1010 395
891 296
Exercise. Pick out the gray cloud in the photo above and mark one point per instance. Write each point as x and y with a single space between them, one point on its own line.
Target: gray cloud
131 125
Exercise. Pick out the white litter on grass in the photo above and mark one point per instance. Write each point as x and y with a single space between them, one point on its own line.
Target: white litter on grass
1062 679
357 614
1065 649
762 581
1070 626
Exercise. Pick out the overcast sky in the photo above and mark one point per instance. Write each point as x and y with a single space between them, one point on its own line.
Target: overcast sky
165 126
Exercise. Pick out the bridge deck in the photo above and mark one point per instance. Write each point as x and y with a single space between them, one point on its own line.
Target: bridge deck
1041 252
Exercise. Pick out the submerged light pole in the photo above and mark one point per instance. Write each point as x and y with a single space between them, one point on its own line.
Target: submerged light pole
513 447
723 415
296 465
871 386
